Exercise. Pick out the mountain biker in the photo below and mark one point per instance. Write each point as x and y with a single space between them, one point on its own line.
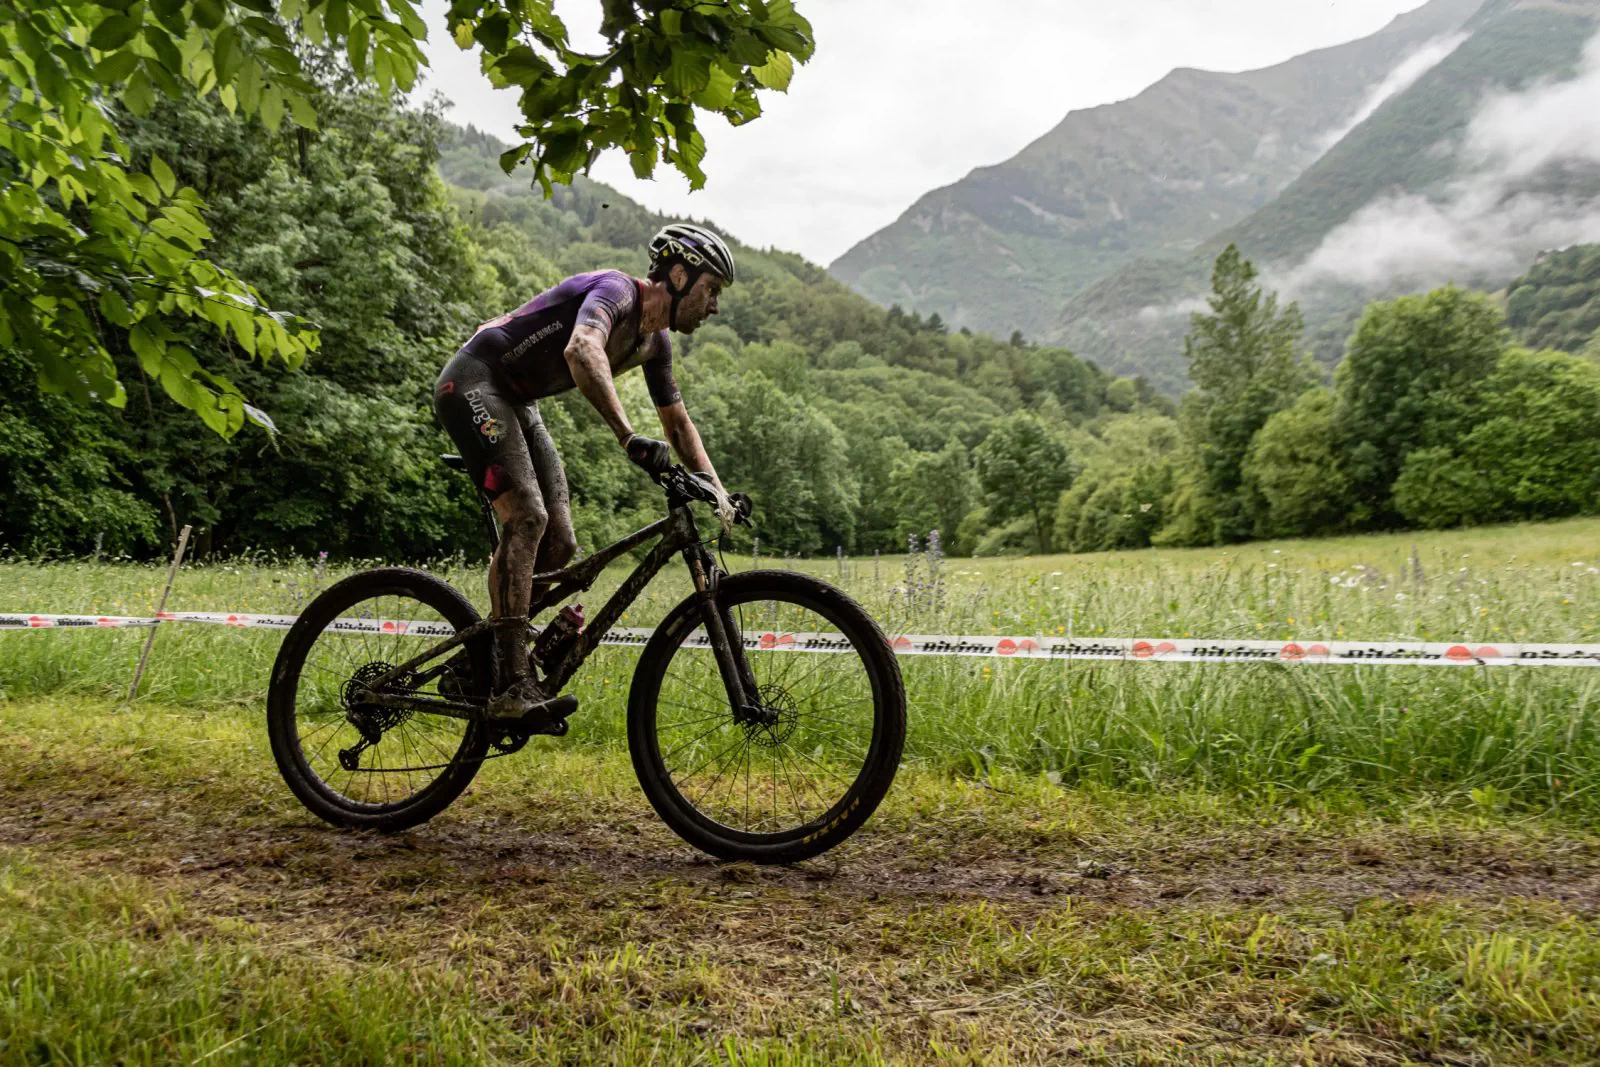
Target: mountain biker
582 333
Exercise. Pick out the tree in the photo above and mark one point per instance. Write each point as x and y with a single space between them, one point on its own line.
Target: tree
1411 378
935 490
101 251
1023 467
1294 468
1118 501
1531 450
1243 361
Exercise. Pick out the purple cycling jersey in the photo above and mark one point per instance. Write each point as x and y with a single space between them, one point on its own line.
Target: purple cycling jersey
528 346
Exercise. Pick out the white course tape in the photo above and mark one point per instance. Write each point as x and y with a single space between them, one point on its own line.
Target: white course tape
1158 650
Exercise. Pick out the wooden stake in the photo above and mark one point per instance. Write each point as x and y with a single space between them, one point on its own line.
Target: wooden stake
172 572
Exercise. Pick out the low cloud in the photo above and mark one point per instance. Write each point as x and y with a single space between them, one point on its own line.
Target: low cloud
1492 221
1183 308
1401 78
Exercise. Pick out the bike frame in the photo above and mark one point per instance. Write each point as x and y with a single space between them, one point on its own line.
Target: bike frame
678 534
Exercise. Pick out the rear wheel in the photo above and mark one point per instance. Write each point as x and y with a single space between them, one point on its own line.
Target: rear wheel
808 760
349 759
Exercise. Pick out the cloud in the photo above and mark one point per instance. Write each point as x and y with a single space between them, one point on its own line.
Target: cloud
1178 309
1401 78
1492 221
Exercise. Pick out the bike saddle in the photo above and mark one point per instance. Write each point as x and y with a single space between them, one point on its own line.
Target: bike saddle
455 463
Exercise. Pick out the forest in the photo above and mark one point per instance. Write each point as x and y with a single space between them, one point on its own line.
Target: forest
854 427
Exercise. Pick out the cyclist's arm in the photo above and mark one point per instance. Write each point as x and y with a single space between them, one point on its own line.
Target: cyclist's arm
685 440
591 373
675 421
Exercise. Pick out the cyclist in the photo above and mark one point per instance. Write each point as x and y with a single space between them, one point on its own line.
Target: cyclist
582 333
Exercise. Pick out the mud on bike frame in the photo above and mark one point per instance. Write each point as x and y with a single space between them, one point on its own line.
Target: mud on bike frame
678 533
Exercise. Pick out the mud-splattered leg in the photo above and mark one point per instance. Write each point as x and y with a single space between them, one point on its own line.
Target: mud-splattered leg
523 520
559 543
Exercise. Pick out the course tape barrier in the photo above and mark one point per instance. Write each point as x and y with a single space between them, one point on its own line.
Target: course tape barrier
1131 649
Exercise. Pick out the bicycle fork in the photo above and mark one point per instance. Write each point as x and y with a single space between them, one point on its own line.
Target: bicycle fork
727 642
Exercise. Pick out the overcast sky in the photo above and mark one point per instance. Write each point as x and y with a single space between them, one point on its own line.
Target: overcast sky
903 97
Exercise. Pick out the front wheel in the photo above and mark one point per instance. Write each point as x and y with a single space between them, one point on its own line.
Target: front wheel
813 753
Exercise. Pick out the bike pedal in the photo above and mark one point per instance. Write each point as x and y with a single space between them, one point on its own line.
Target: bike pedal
550 719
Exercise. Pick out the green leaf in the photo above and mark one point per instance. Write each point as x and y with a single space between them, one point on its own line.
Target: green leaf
383 70
113 33
521 65
167 53
643 160
139 95
565 153
116 67
228 56
410 19
250 86
689 72
690 151
114 308
718 92
511 157
165 80
672 22
272 107
150 349
267 30
208 13
163 175
775 73
357 46
493 32
337 16
301 110
747 50
784 39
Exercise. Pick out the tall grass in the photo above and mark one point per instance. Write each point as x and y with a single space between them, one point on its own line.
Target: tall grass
1524 738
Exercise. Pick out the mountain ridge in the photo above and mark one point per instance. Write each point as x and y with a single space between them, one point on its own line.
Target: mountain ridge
1132 320
1157 172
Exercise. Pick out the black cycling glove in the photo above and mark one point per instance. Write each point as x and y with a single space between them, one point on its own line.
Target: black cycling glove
655 457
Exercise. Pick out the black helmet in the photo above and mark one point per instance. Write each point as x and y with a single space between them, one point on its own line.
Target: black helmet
696 247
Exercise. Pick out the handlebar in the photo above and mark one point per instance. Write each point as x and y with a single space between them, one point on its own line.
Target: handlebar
684 484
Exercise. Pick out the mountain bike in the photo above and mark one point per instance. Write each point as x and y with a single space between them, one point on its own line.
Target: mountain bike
766 714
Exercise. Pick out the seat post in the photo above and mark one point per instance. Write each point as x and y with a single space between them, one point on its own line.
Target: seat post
491 526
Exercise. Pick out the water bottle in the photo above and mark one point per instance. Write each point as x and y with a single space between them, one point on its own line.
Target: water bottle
565 626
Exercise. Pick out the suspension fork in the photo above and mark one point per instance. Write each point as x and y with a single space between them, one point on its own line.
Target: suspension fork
727 642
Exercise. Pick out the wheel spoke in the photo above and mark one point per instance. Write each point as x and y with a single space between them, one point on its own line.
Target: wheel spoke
414 747
817 721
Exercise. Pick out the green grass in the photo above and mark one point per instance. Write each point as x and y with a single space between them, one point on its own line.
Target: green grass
163 899
1527 740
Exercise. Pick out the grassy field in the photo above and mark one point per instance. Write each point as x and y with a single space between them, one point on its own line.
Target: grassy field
1527 739
1143 863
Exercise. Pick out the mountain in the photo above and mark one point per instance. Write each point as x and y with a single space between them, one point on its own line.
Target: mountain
1157 174
1557 303
1364 219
